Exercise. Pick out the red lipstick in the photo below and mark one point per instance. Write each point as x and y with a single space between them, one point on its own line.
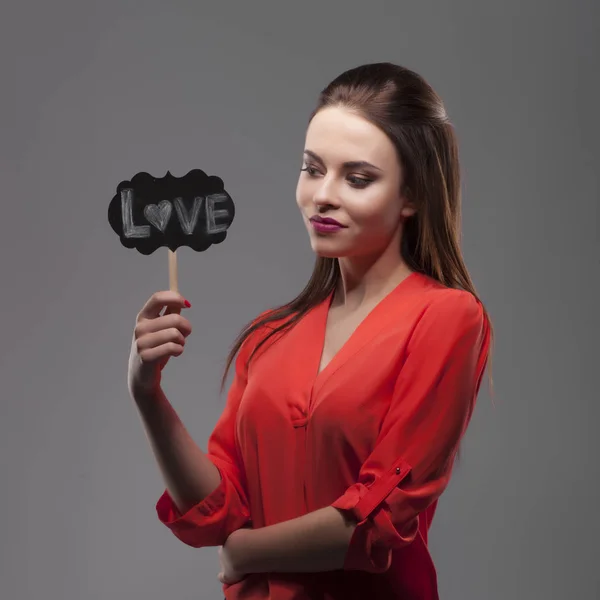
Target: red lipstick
325 224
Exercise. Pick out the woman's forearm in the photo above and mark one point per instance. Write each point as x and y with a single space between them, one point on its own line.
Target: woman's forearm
188 473
315 542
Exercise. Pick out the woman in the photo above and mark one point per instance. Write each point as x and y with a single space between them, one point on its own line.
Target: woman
348 404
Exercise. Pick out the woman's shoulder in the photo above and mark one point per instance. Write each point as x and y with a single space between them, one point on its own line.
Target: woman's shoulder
268 320
261 327
443 303
437 293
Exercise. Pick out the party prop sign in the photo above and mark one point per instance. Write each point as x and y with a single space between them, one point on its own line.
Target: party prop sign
148 213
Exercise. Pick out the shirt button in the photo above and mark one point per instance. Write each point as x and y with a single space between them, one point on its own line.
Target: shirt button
397 470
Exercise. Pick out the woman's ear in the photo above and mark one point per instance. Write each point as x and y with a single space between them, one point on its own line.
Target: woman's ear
408 210
408 206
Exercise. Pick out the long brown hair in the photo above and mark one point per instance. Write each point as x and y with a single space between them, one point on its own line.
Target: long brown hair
406 108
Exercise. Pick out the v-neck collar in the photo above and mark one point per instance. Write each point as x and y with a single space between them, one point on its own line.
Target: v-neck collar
366 330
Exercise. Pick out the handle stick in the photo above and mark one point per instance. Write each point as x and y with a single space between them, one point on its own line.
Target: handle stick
173 285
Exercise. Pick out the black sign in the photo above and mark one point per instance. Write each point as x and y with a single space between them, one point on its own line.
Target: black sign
149 212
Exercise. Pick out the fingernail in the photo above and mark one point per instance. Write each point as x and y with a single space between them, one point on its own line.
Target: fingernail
187 304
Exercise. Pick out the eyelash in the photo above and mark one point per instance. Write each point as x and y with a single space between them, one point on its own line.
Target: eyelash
358 182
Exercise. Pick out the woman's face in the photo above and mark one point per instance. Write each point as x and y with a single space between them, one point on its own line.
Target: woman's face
351 173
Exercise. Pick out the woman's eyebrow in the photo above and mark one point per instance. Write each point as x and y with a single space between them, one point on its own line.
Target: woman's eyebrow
351 164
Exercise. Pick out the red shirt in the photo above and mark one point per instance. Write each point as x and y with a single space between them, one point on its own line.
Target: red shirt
375 433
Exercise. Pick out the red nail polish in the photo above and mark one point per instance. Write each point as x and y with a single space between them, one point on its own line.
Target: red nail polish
187 304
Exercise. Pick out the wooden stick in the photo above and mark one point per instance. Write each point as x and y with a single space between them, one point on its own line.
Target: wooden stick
173 285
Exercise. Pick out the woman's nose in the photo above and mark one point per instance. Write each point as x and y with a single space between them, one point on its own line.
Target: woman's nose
325 194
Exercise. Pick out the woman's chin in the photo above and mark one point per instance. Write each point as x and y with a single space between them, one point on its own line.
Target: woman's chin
327 250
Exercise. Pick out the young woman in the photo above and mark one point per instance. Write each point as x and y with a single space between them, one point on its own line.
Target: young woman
348 404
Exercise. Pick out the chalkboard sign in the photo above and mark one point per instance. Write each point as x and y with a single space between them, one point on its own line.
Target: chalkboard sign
193 211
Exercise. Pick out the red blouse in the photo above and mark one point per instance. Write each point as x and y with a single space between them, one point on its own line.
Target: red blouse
375 433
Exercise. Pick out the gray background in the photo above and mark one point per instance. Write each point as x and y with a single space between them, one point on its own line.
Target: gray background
94 92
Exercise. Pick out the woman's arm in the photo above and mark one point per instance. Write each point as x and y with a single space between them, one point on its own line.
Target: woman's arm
188 473
206 498
312 543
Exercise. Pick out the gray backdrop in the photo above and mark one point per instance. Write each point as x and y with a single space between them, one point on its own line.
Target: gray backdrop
94 92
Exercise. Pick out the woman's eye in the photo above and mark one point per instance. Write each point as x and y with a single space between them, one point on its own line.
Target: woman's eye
359 182
354 180
310 170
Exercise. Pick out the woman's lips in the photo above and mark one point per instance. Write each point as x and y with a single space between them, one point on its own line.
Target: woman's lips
325 225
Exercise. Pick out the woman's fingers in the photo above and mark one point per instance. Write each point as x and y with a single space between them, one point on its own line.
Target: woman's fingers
160 300
158 338
167 321
156 353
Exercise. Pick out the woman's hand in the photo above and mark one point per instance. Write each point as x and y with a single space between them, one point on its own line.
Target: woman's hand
231 557
156 338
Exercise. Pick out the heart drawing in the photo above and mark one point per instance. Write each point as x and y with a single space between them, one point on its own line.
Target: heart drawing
159 215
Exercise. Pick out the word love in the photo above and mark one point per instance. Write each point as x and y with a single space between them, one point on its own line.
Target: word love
159 215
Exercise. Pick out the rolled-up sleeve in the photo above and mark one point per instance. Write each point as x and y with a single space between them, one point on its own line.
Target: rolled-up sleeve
225 509
432 403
